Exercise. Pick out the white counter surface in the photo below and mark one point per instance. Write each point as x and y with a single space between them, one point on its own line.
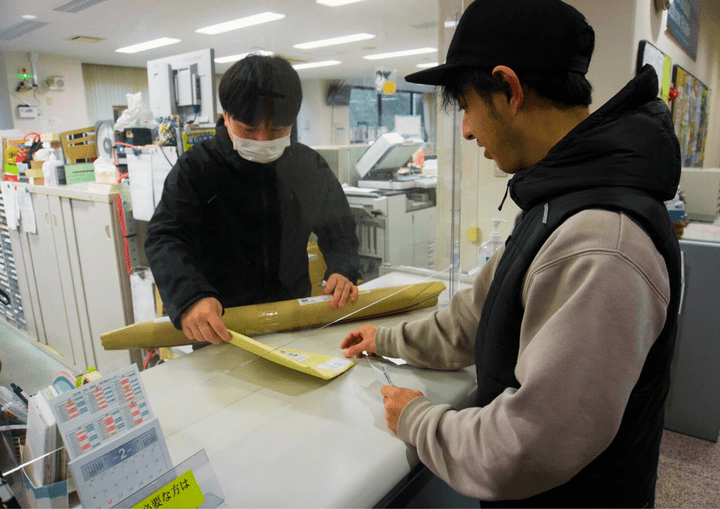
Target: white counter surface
88 191
280 438
702 232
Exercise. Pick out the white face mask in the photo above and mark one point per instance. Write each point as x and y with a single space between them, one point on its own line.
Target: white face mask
260 151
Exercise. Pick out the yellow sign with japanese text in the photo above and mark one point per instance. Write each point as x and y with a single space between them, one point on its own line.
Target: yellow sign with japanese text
181 492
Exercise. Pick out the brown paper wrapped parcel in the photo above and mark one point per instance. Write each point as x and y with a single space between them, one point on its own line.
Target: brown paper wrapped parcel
282 316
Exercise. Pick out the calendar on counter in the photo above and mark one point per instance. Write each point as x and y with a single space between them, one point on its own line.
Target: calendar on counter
119 468
114 441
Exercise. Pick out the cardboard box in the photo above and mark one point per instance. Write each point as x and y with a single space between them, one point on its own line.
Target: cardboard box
282 316
34 172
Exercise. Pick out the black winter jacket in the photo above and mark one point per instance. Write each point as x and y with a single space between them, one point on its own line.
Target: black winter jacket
238 230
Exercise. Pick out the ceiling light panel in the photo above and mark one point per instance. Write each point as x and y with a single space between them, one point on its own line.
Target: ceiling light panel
77 5
334 41
427 65
405 53
157 43
18 29
235 58
312 65
336 3
236 24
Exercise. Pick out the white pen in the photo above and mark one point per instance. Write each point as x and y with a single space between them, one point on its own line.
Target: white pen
382 371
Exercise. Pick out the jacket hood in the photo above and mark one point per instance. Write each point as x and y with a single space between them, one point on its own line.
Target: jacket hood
628 142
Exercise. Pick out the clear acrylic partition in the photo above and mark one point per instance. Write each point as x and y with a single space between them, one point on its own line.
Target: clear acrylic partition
406 202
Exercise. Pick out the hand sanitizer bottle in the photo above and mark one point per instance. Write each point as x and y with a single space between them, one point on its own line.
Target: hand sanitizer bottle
490 247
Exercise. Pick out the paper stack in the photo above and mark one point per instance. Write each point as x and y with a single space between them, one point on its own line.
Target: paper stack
42 437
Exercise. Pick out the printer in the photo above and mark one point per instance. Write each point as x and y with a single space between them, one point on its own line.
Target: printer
395 211
380 166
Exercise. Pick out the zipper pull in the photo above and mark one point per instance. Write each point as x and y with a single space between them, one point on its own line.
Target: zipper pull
507 190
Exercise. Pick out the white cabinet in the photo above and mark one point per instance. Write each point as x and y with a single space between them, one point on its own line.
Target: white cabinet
76 277
105 278
56 301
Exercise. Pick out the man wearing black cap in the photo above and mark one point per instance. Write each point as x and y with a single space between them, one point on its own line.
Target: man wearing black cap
571 326
236 212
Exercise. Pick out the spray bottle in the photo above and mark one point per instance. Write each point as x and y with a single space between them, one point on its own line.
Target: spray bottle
50 169
489 247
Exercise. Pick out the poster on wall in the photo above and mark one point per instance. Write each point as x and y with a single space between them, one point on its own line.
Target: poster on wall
683 25
649 54
690 117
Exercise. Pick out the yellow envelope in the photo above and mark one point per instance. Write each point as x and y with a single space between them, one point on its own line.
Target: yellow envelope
315 364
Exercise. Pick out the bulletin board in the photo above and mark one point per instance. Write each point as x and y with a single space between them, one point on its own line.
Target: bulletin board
690 116
649 54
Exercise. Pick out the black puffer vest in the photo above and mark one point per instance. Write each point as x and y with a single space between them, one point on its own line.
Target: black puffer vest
594 168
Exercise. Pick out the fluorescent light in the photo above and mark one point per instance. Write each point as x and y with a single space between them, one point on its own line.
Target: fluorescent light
235 58
248 21
157 43
335 40
451 23
311 65
421 66
335 3
406 53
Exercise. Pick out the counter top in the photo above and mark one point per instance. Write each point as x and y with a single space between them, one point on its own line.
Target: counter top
88 191
279 438
703 232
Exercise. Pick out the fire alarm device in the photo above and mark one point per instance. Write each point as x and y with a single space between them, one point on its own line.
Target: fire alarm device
56 83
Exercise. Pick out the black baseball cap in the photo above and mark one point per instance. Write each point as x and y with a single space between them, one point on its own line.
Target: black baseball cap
524 35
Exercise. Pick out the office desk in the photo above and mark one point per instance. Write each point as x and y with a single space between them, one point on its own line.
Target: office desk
279 438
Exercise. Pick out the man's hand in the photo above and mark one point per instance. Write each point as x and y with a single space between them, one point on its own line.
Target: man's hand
395 400
341 288
203 322
359 341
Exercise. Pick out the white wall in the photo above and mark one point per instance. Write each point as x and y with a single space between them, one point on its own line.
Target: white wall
59 110
613 61
318 123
